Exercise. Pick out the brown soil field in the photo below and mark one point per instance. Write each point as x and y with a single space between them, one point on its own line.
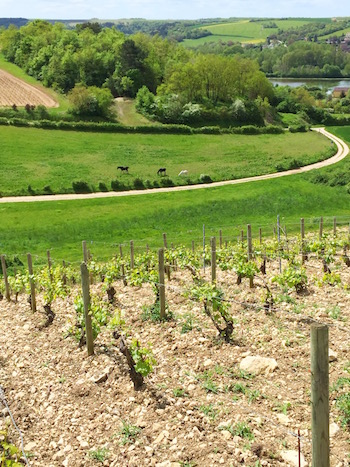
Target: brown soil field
197 408
16 91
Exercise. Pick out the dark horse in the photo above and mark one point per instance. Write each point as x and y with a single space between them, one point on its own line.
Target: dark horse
123 169
162 171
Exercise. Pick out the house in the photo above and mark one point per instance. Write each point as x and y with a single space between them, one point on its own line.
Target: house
340 91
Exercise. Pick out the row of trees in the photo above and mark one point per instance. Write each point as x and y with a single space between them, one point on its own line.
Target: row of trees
92 64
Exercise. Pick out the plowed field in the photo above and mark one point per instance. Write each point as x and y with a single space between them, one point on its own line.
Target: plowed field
15 91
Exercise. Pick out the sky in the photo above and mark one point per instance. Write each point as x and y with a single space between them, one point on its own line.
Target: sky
171 9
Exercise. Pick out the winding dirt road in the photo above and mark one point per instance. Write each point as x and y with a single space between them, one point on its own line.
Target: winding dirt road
343 151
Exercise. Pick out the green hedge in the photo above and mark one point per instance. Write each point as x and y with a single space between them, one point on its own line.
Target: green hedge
155 129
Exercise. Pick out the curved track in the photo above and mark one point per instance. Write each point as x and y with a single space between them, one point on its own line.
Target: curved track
343 151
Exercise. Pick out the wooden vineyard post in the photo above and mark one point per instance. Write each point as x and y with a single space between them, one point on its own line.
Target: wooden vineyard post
64 275
132 255
260 235
120 251
86 298
213 259
32 283
320 395
203 247
161 283
302 234
249 241
220 238
4 272
335 226
85 252
242 236
192 246
279 241
165 241
321 228
49 261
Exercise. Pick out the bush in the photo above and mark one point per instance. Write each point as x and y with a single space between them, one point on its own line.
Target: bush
30 190
205 178
138 184
166 182
81 187
298 128
47 190
148 184
102 186
295 164
116 185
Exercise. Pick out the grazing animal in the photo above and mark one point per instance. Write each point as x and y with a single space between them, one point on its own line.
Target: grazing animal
123 169
183 172
161 171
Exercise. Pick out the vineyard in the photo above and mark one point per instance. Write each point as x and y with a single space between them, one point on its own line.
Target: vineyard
15 91
167 379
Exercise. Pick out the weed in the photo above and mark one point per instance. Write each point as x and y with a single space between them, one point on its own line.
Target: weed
283 408
334 312
129 432
9 454
179 392
99 455
209 411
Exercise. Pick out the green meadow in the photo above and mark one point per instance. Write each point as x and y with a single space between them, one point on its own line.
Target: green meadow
105 223
53 158
246 31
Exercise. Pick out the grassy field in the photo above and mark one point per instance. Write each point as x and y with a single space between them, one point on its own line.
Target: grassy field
246 31
61 226
105 223
55 158
128 115
336 33
19 73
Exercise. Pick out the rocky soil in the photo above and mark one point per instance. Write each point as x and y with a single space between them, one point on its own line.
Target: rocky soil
198 407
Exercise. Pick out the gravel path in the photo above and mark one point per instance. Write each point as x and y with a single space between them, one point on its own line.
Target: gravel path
343 151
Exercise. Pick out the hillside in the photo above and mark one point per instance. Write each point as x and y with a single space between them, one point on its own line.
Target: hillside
198 406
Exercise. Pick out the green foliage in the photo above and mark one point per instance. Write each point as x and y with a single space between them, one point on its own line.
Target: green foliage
129 432
292 277
90 100
50 281
241 429
143 358
209 410
10 455
99 455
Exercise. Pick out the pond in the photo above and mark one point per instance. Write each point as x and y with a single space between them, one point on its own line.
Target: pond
325 83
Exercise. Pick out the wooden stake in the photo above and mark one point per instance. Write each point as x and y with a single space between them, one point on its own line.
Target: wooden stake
302 233
32 283
85 252
320 395
165 241
213 259
192 246
132 255
250 243
120 250
4 272
86 298
321 228
335 226
161 283
220 238
260 236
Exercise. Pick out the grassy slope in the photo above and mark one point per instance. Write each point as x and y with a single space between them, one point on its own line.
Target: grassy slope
108 222
245 31
19 73
57 158
336 33
105 223
128 115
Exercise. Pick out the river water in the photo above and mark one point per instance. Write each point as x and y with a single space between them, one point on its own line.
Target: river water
325 83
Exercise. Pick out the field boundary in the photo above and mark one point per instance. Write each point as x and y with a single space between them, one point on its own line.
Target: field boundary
342 152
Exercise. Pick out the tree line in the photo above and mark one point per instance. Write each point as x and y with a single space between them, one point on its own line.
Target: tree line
91 64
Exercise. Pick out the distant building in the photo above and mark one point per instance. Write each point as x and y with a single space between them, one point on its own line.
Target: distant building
340 91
